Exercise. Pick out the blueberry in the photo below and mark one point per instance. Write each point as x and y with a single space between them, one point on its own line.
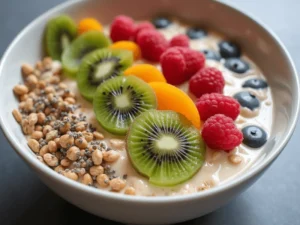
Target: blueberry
254 136
248 100
161 22
255 84
237 65
209 54
196 33
229 49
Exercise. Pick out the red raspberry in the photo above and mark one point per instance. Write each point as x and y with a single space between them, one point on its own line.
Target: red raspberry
195 61
215 103
122 28
142 26
219 132
152 44
180 40
207 80
173 66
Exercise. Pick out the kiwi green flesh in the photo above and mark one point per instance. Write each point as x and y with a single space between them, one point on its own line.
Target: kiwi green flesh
65 41
80 47
99 66
60 32
119 100
165 147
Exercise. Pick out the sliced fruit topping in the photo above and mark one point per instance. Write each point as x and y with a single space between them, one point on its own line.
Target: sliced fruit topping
88 24
118 101
254 136
146 72
247 99
207 80
196 33
80 47
165 146
170 97
152 44
60 32
229 49
99 66
179 64
219 132
212 55
237 65
161 22
255 83
128 45
180 40
215 103
122 28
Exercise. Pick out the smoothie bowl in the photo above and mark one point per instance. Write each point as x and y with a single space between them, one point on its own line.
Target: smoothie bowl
148 115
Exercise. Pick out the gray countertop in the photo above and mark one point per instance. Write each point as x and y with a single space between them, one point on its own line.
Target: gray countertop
273 200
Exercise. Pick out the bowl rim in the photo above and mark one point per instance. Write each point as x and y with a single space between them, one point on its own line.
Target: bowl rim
250 173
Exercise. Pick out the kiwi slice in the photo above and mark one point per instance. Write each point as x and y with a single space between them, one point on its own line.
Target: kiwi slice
165 146
81 46
118 101
99 66
60 31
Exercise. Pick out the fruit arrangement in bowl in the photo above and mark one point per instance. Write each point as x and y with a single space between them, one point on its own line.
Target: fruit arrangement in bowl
151 108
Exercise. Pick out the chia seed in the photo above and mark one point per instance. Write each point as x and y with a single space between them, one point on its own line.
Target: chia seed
48 119
76 164
89 163
63 151
63 114
112 177
76 136
77 170
103 145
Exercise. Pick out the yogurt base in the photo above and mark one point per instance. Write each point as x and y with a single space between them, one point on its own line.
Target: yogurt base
219 166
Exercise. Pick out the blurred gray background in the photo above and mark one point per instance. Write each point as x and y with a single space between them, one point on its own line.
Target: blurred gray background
273 200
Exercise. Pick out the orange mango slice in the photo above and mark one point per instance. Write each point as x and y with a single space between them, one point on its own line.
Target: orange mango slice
170 97
146 72
89 24
128 45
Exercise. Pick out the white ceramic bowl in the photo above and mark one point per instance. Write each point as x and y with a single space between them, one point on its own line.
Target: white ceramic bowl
257 41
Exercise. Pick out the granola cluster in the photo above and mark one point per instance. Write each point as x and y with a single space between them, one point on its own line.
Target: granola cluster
59 134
